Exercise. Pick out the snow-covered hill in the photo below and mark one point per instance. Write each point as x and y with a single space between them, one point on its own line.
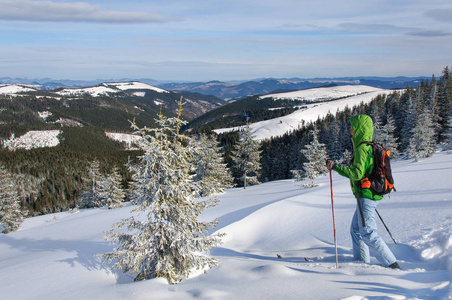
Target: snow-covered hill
136 88
112 88
345 95
325 93
13 89
54 256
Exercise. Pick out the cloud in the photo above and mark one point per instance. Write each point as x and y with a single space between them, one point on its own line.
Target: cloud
411 31
368 27
428 33
48 11
442 15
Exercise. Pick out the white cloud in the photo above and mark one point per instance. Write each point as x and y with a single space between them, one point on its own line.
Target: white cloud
48 11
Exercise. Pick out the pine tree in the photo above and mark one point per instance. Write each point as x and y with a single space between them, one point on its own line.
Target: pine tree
212 173
315 154
246 157
422 142
384 134
409 117
346 158
448 134
113 193
171 242
11 215
95 195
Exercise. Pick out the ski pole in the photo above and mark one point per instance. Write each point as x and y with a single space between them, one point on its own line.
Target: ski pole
334 222
387 229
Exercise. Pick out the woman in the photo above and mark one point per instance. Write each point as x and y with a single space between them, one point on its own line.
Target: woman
364 236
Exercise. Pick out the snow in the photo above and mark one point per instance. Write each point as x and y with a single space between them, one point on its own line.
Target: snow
311 112
130 139
112 87
44 114
135 85
93 91
33 139
325 93
12 89
54 256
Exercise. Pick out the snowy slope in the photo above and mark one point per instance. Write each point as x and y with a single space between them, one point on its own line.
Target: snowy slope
111 88
12 89
54 256
33 139
311 112
102 89
129 139
325 93
49 138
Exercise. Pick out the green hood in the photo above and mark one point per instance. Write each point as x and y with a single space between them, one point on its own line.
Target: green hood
363 129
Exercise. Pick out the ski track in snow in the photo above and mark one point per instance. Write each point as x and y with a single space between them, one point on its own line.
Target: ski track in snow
54 256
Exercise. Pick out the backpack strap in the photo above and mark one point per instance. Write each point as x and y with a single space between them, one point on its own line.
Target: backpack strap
363 184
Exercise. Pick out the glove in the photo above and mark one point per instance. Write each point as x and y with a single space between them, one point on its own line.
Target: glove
330 165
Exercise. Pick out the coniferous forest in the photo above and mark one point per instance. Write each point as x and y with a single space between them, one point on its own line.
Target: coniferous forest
426 109
414 120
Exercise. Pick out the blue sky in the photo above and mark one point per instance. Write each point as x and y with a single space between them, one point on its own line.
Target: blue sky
223 40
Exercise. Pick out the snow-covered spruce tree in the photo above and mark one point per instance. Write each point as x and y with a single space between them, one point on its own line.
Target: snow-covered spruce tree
246 157
94 195
422 142
113 193
345 158
211 171
171 242
384 134
408 118
448 134
316 155
11 216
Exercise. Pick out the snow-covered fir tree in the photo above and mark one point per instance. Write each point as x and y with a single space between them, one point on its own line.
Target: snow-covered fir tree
97 186
422 142
315 154
246 157
171 242
448 134
211 171
346 158
384 134
11 215
113 193
408 118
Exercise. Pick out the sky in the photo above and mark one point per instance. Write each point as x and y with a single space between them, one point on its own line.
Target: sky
200 40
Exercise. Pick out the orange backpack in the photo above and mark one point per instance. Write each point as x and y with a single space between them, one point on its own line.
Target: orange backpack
380 180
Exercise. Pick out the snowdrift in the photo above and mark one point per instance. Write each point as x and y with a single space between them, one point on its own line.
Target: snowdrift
54 256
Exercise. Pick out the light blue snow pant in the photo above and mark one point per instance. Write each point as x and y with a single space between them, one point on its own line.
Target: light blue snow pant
366 239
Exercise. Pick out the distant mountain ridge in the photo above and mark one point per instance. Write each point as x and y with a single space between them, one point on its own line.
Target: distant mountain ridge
232 90
235 91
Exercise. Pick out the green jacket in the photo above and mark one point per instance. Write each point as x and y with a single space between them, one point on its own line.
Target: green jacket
363 160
